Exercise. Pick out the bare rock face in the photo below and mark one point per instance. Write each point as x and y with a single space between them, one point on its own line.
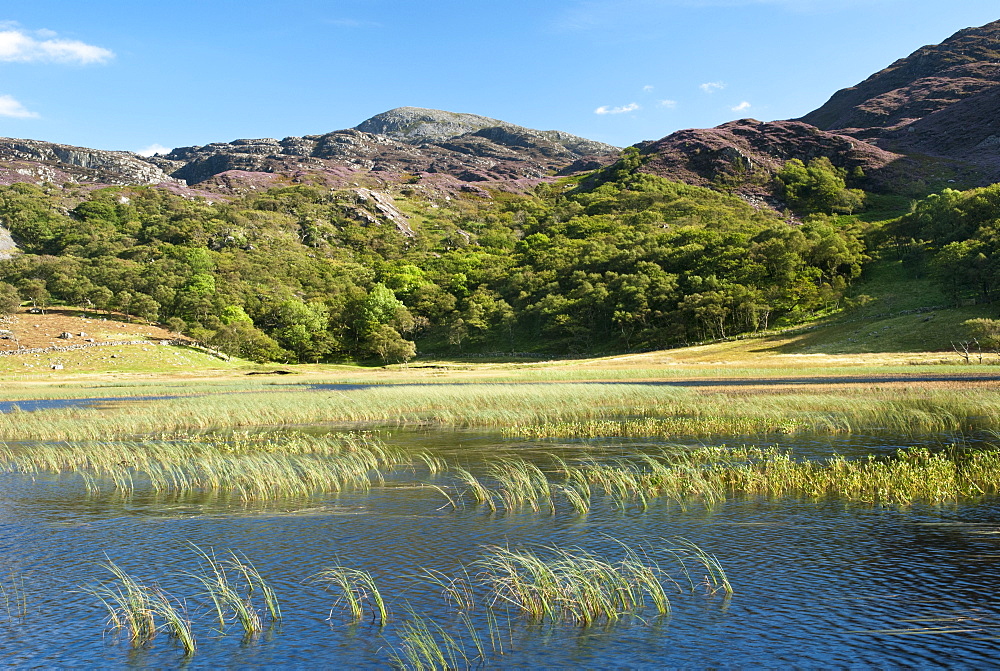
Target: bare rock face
7 246
940 101
35 161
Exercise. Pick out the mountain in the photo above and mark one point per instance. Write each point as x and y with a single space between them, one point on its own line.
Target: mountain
399 145
940 101
401 142
927 121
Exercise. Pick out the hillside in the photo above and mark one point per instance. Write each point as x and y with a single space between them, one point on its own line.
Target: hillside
941 100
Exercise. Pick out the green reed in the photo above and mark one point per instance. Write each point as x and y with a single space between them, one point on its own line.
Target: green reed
355 588
252 468
425 645
230 584
15 597
142 611
574 585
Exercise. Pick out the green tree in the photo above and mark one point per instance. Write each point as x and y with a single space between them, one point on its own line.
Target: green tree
817 187
10 299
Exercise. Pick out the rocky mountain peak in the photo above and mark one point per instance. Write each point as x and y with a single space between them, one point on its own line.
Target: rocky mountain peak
416 124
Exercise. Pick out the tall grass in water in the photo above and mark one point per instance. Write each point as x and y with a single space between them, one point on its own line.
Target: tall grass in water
356 587
425 645
15 598
712 474
233 597
142 611
533 410
573 585
263 468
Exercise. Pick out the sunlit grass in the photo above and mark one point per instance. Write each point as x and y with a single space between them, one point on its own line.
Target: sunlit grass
354 588
532 410
249 467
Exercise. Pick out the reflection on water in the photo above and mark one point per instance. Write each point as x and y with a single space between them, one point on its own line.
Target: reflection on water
817 582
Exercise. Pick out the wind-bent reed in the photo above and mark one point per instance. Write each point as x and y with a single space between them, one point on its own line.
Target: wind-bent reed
263 468
137 609
426 645
356 587
573 584
233 598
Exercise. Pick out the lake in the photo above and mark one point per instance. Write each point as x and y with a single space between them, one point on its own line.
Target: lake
816 582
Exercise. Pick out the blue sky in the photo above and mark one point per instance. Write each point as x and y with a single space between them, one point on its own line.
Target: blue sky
117 74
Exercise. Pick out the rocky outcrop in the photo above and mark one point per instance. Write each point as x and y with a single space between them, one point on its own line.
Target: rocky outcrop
7 246
35 161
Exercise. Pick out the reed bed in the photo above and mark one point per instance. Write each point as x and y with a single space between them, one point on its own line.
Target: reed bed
710 475
556 410
252 468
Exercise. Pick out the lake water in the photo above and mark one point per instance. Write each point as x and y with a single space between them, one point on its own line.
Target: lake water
817 583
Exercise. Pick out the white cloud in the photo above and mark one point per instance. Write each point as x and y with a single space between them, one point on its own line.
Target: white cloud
647 88
668 103
624 109
712 87
742 107
15 110
17 46
153 149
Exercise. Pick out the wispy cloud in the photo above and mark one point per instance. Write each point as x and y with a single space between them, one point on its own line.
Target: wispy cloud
647 88
18 46
9 107
712 87
742 107
624 109
668 103
153 149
